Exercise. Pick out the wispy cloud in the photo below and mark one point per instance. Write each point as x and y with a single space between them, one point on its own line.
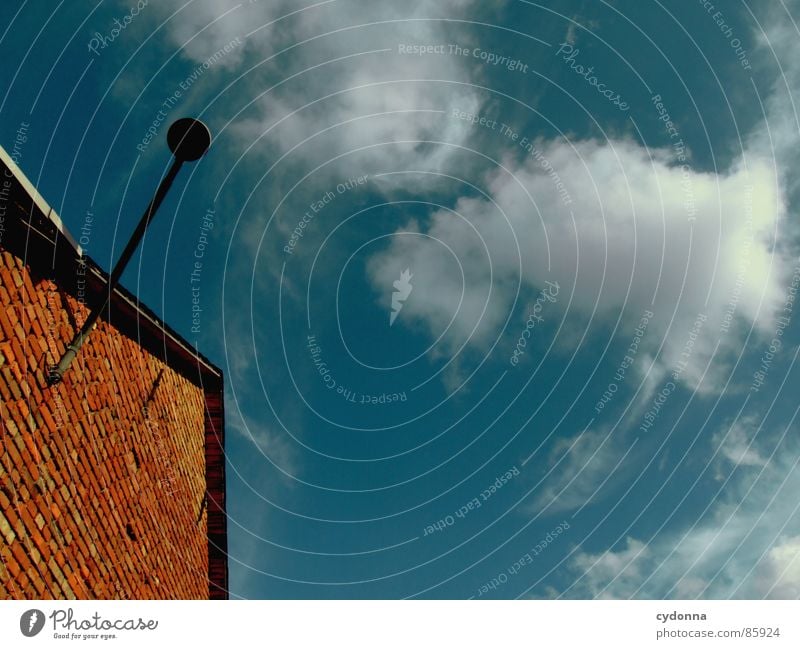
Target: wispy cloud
266 441
625 241
745 546
737 446
581 469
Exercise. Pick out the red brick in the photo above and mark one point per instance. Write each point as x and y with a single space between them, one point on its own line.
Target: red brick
29 289
19 554
12 566
75 441
16 277
78 586
32 447
27 519
8 280
11 380
6 325
39 585
49 422
19 331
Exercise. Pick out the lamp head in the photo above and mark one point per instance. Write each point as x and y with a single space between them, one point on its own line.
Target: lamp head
188 139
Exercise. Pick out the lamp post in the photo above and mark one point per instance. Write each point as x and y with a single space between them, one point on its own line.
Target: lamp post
188 139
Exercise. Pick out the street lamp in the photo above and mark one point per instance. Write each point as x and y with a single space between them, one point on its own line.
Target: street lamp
188 139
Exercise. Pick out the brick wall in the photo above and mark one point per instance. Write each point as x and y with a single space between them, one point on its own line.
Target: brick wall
104 479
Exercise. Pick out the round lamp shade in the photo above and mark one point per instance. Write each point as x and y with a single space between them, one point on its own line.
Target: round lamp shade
188 139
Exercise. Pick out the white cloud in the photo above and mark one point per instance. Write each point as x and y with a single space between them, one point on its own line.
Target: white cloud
275 466
211 23
267 442
579 467
778 574
746 546
747 543
454 287
333 102
736 446
378 108
779 46
203 27
318 34
625 240
623 567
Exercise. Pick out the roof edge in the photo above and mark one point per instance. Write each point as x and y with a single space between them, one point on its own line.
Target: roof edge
38 199
36 229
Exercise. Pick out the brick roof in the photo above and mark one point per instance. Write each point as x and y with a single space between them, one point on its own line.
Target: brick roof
112 484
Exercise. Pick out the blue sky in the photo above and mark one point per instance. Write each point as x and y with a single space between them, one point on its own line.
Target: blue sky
627 230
